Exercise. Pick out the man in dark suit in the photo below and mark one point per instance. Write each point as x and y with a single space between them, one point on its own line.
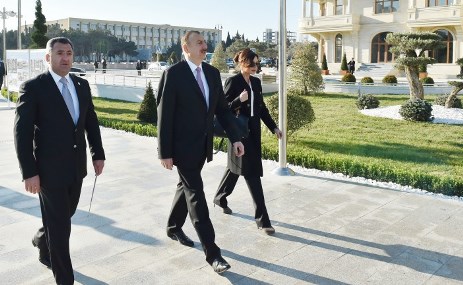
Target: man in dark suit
2 72
54 112
189 94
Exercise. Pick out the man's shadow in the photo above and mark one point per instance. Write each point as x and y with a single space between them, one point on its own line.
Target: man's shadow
30 205
419 260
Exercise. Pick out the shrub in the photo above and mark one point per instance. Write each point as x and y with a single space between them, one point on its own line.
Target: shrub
367 101
422 68
416 110
148 112
348 78
440 100
427 80
453 101
391 79
324 63
13 96
367 79
299 114
344 63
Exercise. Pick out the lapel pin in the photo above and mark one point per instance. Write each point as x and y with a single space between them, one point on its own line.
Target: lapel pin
78 83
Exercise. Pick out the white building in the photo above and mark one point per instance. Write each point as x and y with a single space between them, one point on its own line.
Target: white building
145 36
358 28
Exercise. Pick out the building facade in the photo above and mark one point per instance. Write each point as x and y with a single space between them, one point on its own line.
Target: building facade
149 38
358 28
271 37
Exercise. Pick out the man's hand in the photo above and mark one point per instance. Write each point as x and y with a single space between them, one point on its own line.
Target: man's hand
32 184
98 166
238 149
167 163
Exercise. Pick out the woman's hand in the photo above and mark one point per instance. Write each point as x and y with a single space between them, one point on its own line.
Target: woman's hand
244 95
278 133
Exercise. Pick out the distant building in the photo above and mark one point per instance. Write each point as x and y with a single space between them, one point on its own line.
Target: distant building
149 37
271 37
358 28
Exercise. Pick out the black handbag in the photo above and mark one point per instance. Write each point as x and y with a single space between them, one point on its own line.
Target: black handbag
240 120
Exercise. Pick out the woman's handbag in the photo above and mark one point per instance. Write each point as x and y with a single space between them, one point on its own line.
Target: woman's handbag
241 122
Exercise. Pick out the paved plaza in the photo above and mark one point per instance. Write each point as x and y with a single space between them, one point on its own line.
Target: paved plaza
327 231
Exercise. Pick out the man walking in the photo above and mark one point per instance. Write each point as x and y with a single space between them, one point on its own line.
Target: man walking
2 72
54 112
189 94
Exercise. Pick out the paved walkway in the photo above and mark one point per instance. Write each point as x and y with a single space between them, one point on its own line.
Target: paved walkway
327 231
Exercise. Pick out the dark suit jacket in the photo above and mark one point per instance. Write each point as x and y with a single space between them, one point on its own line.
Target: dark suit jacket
2 70
251 162
184 121
46 139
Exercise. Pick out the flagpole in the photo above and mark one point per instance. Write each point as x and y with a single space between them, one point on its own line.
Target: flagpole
283 169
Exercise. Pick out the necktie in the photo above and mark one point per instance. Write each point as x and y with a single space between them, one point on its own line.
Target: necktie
200 83
68 99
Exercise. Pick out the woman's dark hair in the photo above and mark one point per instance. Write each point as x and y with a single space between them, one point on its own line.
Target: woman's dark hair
245 57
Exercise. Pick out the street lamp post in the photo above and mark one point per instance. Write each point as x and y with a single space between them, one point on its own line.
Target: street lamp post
5 14
19 25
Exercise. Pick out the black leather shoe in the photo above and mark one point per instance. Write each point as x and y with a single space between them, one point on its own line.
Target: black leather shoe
181 237
44 256
220 265
226 210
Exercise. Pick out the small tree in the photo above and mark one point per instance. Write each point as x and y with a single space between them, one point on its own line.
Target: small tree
39 40
344 63
219 59
148 112
236 46
324 63
408 49
173 58
305 73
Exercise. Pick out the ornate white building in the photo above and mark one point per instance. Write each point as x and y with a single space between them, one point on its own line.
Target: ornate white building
358 27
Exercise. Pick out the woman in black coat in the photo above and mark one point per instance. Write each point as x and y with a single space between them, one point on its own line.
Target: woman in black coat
244 94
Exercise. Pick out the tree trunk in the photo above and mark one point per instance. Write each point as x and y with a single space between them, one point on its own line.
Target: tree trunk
416 88
453 96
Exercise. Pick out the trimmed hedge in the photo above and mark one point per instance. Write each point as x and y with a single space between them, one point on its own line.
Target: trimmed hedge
432 183
425 181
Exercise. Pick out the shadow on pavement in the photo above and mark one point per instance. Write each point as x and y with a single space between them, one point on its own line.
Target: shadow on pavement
30 205
415 258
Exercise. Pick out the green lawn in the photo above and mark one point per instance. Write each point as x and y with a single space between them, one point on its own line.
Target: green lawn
342 139
340 130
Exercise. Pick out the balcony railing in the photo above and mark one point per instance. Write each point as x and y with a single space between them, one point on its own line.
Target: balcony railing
328 23
431 16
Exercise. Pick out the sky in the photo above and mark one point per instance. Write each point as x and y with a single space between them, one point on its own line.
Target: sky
250 17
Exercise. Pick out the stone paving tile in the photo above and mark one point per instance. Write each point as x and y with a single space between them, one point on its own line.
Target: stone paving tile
327 231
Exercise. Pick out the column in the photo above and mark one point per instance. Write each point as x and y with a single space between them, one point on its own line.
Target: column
304 2
311 9
349 9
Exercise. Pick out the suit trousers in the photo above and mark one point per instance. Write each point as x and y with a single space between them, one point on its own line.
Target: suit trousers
58 205
226 187
190 199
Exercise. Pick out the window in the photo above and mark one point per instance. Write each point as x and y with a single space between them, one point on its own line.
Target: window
338 48
445 53
380 49
338 7
432 3
386 6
